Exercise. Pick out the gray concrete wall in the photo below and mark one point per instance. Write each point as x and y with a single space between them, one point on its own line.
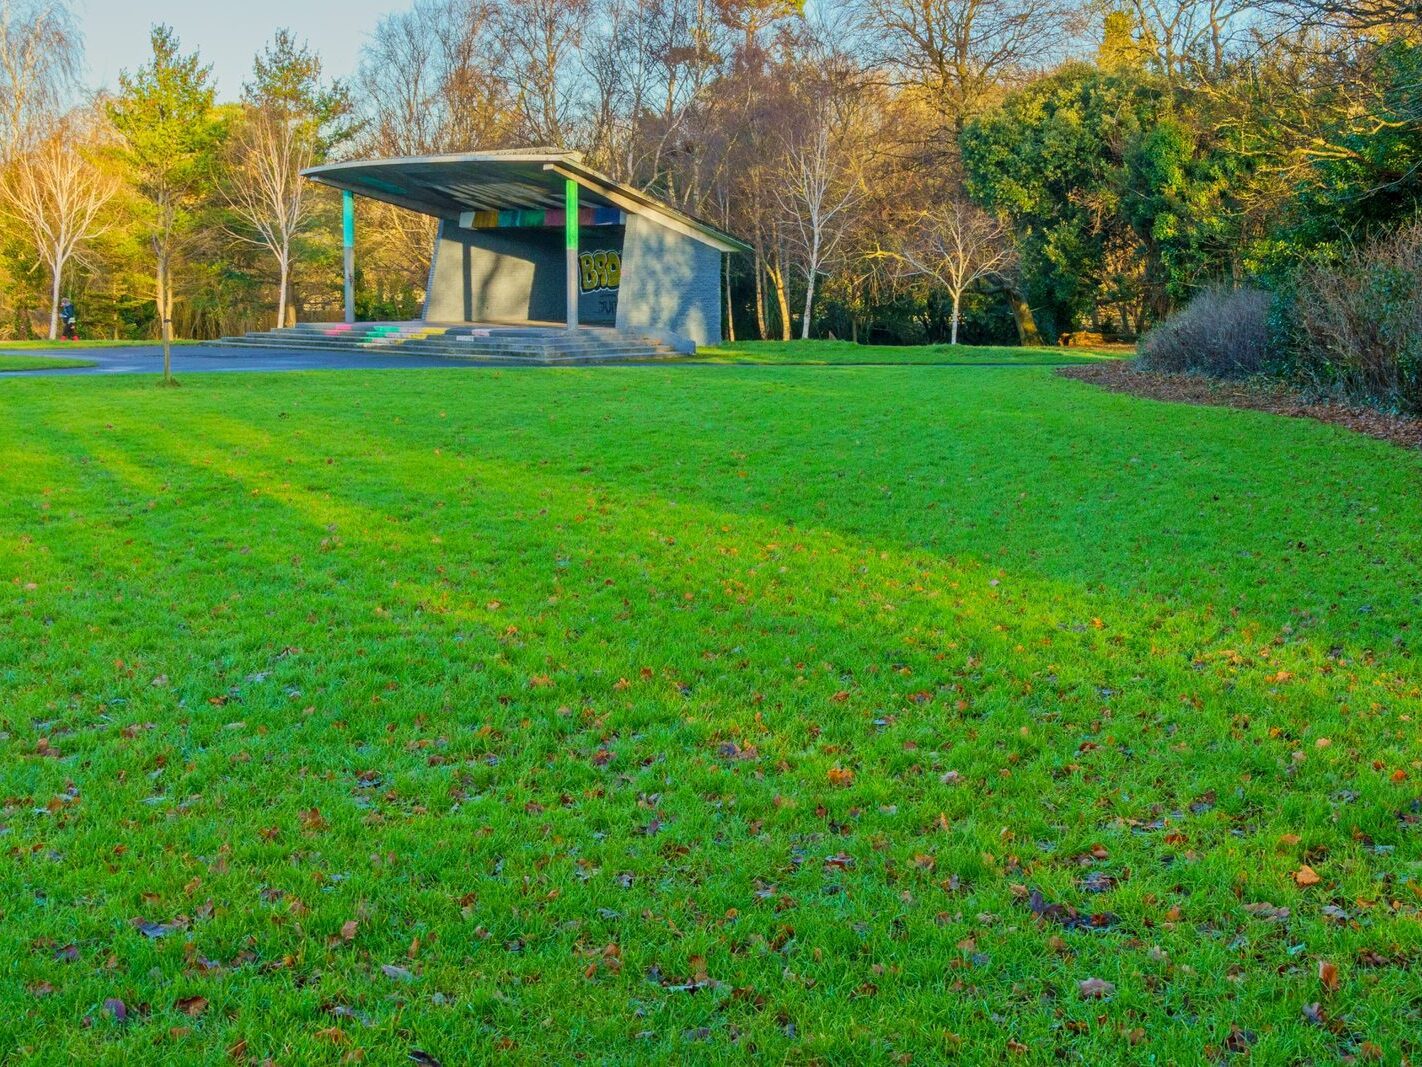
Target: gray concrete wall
496 276
513 275
669 283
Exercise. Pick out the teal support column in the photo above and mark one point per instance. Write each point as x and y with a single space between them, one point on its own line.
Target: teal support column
348 247
570 229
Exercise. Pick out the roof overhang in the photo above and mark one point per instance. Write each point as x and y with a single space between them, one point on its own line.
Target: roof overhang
450 185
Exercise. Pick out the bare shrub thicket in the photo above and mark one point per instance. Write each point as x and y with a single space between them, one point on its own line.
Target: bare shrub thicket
1358 322
1222 332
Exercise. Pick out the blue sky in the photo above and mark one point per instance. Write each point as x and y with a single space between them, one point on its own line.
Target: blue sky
227 32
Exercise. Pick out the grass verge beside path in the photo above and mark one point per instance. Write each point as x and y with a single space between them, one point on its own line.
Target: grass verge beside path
10 363
832 353
60 346
702 715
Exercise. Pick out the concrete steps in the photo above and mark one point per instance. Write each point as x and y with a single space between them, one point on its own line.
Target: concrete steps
496 344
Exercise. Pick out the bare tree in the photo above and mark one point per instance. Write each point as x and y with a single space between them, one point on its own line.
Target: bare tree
40 56
538 45
291 120
1192 36
1355 15
956 245
267 193
649 64
57 192
428 85
965 52
819 192
753 21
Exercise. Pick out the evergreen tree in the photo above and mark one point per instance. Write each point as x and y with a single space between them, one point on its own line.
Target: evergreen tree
171 135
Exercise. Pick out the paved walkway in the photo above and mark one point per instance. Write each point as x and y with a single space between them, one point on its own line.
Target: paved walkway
193 359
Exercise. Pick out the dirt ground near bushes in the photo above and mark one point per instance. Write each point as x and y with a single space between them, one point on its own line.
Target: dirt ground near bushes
1254 395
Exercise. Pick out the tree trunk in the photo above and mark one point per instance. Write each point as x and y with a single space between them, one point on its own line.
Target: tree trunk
54 304
782 298
1027 333
281 296
811 275
809 307
165 311
730 331
953 330
760 295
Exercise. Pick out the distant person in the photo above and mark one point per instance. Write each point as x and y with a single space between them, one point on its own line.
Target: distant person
70 317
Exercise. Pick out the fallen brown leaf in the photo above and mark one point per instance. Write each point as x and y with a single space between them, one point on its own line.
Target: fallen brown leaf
841 777
1328 975
1095 989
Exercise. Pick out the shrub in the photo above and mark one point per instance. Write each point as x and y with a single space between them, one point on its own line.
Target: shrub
1357 322
1222 332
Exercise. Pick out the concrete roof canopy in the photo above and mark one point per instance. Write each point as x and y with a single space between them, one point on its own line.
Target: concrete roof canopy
448 186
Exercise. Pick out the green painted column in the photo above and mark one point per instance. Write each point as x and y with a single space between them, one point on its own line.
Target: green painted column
348 247
570 229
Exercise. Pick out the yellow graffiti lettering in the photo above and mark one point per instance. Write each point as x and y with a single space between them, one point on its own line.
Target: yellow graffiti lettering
600 270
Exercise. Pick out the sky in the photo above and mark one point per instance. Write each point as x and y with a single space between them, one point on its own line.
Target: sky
227 33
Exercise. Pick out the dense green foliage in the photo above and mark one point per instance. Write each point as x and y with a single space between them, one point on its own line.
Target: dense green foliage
702 715
1118 191
171 133
1369 177
1131 186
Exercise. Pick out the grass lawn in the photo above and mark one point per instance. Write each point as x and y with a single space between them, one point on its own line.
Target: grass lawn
848 353
702 715
61 346
8 362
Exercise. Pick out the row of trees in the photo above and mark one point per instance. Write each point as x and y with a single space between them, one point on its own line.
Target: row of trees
904 169
1038 166
154 203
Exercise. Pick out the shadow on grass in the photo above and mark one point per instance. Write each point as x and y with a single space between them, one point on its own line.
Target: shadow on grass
601 639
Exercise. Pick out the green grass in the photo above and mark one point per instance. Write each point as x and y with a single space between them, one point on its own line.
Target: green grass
701 715
60 346
848 353
8 362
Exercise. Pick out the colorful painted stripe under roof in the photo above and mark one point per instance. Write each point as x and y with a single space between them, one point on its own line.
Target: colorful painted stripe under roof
526 217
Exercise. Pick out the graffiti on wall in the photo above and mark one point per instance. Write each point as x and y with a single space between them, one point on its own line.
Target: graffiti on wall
601 271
